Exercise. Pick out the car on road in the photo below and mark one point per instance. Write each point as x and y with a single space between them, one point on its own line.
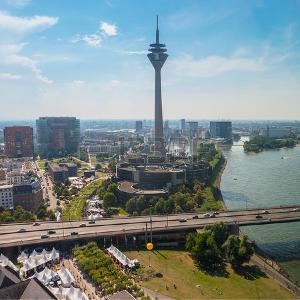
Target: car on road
296 209
74 233
265 212
216 212
36 224
182 220
195 217
91 222
82 225
51 231
44 236
258 216
212 215
206 215
22 230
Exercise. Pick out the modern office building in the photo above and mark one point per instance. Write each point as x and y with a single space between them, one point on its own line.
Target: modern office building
221 129
18 141
62 172
157 57
6 196
275 132
192 129
57 136
138 126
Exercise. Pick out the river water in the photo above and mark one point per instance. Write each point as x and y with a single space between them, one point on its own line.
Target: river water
266 179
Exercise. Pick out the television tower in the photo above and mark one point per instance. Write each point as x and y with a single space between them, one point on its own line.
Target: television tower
157 56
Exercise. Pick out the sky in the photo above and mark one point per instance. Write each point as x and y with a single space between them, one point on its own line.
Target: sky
230 59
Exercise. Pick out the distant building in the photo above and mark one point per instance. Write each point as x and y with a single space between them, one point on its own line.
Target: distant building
182 125
2 174
18 141
89 173
192 129
275 132
106 148
138 126
221 129
62 172
57 136
6 196
28 195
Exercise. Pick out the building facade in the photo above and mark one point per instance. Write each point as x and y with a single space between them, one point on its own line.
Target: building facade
15 177
221 129
18 141
6 196
57 136
62 172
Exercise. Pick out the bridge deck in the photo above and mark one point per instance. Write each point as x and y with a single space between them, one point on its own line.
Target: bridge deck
9 235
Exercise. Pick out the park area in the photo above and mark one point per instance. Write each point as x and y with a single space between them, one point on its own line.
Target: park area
174 274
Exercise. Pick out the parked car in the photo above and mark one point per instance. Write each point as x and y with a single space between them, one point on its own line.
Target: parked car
36 224
212 215
74 233
206 215
44 236
195 217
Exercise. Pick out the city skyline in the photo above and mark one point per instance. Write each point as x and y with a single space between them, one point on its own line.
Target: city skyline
228 60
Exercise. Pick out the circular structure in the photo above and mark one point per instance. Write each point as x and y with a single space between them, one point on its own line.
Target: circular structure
149 246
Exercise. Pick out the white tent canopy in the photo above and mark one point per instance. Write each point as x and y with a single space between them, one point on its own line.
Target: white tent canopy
121 257
66 277
4 261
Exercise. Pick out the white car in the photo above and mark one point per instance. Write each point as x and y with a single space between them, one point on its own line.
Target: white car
206 215
296 209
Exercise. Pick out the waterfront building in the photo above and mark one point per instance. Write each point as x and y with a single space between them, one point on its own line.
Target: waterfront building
157 57
6 196
275 132
18 141
221 129
57 136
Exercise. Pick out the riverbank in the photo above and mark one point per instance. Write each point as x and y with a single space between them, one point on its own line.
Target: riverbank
241 183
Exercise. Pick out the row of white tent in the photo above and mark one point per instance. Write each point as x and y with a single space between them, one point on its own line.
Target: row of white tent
122 258
36 259
5 262
94 217
68 293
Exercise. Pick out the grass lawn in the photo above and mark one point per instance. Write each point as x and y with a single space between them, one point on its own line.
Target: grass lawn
177 267
41 163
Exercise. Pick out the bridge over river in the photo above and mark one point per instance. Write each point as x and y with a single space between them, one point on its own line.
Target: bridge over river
12 235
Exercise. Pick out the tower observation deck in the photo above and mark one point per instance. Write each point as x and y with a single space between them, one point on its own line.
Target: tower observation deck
157 57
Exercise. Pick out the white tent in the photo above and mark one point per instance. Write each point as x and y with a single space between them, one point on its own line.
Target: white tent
121 257
46 275
98 216
28 266
75 294
22 257
66 277
4 261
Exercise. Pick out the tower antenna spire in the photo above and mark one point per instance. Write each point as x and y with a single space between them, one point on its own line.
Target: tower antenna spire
157 31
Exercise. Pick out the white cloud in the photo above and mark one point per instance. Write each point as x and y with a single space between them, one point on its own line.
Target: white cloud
138 52
10 56
10 76
78 82
93 40
215 65
18 3
23 25
108 29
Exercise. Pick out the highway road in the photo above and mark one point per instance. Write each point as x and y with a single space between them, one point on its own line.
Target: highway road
9 235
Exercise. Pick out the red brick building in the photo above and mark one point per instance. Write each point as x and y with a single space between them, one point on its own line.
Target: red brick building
18 141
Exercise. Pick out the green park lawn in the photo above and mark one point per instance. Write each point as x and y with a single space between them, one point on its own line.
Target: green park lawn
177 267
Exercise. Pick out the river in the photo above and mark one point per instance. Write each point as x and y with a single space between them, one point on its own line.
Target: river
266 179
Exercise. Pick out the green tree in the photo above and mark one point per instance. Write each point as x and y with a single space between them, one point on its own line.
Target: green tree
238 251
131 206
159 207
220 232
109 200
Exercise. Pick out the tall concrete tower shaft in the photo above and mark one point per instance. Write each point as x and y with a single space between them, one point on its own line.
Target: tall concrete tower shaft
157 56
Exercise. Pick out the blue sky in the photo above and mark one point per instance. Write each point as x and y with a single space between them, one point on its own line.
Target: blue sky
227 59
